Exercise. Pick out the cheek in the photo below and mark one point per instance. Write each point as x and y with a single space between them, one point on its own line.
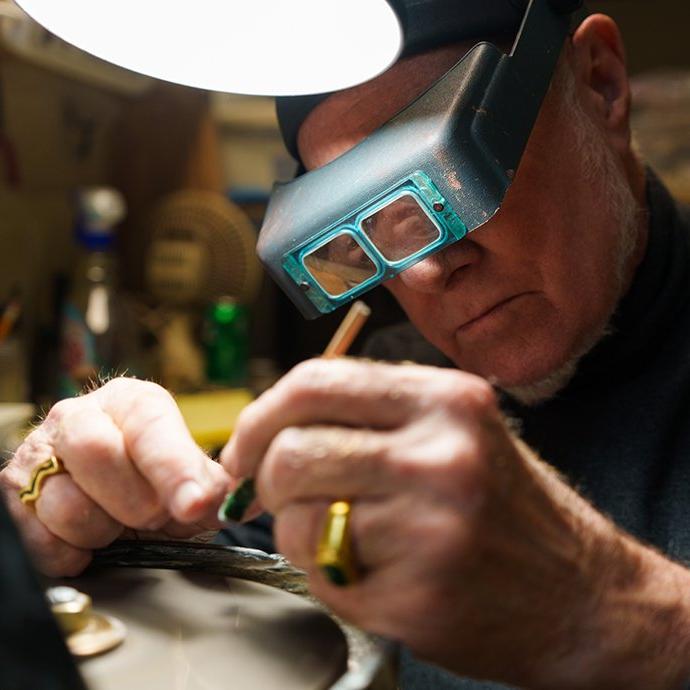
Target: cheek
411 301
406 298
579 267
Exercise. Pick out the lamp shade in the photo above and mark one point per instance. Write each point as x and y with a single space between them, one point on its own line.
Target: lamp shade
259 47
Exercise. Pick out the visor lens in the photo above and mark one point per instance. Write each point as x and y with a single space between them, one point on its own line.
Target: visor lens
340 265
401 229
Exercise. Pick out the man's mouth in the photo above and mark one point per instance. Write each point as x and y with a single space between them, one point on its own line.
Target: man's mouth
491 311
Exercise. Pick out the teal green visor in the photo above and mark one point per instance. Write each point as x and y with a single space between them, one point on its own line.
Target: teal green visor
407 223
435 172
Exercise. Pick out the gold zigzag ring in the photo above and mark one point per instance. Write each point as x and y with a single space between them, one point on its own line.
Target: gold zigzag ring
30 493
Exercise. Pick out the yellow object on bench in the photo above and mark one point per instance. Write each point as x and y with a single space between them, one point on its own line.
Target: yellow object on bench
211 415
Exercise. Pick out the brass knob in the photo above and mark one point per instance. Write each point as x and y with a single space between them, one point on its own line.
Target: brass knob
71 608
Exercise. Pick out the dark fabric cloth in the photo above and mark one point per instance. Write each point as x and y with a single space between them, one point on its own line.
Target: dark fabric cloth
620 431
256 534
33 655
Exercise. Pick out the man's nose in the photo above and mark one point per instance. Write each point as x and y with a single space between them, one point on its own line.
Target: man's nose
431 274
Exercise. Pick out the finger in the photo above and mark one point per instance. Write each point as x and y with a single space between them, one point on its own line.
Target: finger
51 555
93 451
342 391
378 532
390 556
338 462
65 510
317 462
189 484
69 514
173 530
297 529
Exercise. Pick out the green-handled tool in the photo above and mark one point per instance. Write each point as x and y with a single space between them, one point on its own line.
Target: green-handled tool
237 503
333 555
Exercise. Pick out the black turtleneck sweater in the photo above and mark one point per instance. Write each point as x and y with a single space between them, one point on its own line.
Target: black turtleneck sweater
620 430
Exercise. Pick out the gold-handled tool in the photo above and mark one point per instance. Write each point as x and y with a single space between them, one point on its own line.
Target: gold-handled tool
333 555
347 331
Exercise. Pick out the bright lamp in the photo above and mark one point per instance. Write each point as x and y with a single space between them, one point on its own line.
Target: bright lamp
260 47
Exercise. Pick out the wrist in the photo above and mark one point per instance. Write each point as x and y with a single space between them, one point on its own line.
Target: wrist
636 631
625 621
647 620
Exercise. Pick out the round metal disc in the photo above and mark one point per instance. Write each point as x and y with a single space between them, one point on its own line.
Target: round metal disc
101 634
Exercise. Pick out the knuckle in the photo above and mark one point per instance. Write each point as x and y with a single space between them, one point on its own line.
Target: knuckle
97 447
310 381
372 456
249 418
124 383
10 478
285 459
141 393
451 462
65 562
289 441
470 393
302 383
481 396
61 409
146 393
466 466
308 370
467 451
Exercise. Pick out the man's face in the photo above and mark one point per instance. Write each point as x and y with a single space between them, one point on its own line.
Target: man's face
534 287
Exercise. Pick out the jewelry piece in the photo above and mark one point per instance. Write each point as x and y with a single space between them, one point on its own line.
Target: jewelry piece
334 554
30 493
86 632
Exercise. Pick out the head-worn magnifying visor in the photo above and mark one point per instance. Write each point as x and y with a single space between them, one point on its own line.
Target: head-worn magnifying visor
436 171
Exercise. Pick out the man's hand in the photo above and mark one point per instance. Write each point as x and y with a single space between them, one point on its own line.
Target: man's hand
472 551
130 463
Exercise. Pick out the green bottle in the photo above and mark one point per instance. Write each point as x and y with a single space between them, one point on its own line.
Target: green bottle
226 337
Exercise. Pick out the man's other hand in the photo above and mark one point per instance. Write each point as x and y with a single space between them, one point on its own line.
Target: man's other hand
471 550
130 463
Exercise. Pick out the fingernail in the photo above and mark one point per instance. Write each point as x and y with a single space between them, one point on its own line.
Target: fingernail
187 496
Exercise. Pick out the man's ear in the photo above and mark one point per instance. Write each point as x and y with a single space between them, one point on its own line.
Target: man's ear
602 77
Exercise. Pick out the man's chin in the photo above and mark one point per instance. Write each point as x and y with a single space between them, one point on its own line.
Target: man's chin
540 391
545 385
526 367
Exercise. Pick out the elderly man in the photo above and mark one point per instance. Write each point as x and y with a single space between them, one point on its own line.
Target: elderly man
567 322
